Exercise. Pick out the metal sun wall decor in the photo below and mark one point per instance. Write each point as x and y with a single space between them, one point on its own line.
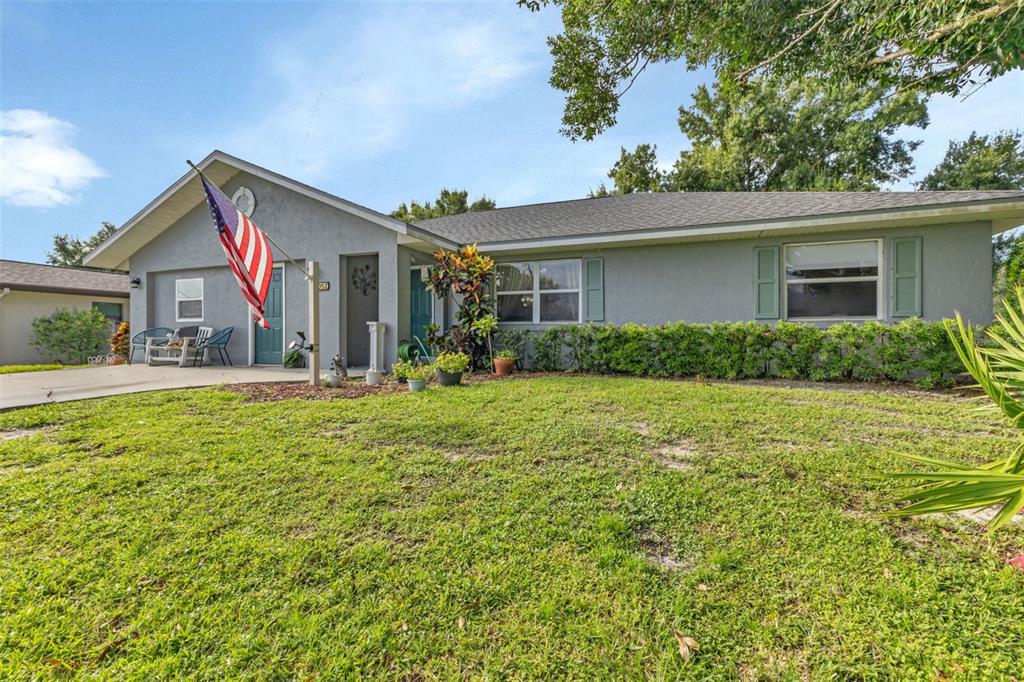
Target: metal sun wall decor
364 279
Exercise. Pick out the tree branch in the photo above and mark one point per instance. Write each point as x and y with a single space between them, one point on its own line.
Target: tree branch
816 26
999 7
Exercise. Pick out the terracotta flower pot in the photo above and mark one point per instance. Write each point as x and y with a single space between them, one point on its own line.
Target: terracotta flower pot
504 366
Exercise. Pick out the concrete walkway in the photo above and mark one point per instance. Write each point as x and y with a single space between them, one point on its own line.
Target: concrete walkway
35 388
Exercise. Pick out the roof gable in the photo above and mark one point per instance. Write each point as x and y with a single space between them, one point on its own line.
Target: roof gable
186 193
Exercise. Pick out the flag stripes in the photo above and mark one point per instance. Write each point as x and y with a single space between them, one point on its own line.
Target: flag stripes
246 249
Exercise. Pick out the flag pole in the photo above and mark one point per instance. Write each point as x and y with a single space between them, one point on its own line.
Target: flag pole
312 275
263 230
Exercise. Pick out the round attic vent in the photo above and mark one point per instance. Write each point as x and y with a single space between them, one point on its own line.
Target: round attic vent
244 200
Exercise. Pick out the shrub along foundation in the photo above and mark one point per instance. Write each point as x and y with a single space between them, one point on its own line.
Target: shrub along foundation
912 350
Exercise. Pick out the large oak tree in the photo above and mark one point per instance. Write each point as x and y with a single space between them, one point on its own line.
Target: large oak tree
947 46
774 137
979 162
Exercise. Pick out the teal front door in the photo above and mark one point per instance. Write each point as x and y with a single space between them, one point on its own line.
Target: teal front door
420 304
270 341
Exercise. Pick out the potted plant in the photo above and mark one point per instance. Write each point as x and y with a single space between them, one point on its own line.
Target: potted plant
504 362
400 370
416 377
449 368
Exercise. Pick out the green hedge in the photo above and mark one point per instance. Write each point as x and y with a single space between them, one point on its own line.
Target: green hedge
911 350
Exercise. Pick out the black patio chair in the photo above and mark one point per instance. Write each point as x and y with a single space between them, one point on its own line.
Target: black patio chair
217 341
160 335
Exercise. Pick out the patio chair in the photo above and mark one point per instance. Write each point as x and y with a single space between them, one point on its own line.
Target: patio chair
158 334
195 335
217 342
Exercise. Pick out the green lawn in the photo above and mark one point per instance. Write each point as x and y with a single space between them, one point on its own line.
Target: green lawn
542 528
18 369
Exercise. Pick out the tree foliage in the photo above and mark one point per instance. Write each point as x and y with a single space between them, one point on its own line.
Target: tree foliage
796 136
70 336
635 171
1015 264
68 250
905 45
980 162
449 202
775 137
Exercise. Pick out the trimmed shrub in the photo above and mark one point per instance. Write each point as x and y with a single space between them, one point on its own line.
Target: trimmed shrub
71 336
911 350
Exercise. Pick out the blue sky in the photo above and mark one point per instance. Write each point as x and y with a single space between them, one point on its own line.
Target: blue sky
378 103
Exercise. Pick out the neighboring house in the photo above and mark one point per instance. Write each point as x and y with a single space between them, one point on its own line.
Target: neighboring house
31 290
647 258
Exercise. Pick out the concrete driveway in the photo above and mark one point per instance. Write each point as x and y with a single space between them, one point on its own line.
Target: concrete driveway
35 388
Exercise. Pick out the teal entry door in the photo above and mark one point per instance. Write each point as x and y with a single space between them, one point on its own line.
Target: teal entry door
270 341
420 304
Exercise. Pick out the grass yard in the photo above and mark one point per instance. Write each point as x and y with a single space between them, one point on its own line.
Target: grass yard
19 369
544 528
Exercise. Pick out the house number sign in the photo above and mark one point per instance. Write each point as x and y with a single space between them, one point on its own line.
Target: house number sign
325 286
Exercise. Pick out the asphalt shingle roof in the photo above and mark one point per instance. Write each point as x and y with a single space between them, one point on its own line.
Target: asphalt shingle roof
54 278
666 210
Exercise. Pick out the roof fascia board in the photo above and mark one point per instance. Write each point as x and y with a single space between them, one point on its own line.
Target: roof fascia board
419 234
43 289
969 213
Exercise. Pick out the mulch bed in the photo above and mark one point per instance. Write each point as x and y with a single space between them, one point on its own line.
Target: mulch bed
357 388
354 388
279 390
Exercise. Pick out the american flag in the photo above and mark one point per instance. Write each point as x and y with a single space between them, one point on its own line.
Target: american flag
246 248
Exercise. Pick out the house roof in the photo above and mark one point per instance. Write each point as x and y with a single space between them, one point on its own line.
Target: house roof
59 279
631 214
186 193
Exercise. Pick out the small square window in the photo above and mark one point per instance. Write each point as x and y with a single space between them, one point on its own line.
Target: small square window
188 299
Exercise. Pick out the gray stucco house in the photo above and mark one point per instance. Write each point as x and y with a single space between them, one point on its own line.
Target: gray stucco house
646 258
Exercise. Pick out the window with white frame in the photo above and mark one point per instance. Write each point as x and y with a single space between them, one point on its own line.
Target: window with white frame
538 292
833 280
188 299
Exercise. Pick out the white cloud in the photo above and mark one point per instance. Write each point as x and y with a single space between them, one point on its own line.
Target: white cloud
338 92
38 165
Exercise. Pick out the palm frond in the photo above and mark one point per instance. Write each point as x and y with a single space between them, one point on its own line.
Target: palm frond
999 372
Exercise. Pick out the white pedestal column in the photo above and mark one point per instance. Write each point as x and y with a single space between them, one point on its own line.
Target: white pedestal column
375 374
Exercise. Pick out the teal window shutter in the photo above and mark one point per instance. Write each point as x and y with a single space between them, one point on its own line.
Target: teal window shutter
593 273
906 277
766 282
